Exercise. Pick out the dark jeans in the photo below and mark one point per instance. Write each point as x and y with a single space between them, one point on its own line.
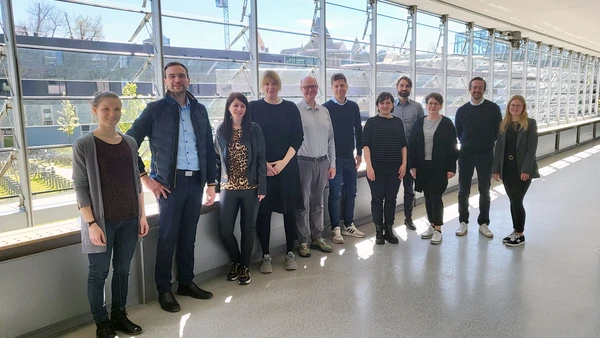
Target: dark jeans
467 163
231 201
346 174
177 219
263 228
409 194
121 237
515 189
384 191
433 198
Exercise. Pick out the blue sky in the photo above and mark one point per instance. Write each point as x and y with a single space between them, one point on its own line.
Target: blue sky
295 15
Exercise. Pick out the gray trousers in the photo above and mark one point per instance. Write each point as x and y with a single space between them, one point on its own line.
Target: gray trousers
310 218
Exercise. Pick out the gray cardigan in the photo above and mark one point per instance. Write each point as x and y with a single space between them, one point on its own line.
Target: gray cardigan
527 142
86 181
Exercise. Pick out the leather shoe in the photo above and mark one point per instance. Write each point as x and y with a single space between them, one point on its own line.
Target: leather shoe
409 223
193 291
121 323
388 235
168 302
105 330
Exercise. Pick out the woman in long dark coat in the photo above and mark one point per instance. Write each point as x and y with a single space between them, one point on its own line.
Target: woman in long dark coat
432 159
282 129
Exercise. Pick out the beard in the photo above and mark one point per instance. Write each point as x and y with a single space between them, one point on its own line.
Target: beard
404 93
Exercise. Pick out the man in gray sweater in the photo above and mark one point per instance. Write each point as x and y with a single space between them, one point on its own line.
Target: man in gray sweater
409 111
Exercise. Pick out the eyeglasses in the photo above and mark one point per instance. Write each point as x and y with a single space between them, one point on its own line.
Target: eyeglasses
310 87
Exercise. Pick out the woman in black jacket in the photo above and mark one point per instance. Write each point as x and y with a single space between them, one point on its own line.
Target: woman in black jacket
514 162
432 159
282 128
241 177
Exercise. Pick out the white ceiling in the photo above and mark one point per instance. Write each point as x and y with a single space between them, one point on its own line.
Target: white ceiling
570 24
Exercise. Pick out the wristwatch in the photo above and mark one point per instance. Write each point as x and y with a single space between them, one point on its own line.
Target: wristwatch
90 223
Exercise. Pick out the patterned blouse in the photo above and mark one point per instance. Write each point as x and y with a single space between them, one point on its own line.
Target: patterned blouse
237 157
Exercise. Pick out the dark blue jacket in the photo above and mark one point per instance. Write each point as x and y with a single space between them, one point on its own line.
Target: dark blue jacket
257 163
160 123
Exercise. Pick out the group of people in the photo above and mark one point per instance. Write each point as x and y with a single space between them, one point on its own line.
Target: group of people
401 143
273 155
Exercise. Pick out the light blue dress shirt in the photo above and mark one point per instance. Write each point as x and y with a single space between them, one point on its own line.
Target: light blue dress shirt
187 151
337 102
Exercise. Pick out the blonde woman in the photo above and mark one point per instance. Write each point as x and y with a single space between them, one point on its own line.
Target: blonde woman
282 130
515 162
109 196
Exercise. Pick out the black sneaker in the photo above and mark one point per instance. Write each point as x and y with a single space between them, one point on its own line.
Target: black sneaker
244 277
105 330
516 240
508 238
234 271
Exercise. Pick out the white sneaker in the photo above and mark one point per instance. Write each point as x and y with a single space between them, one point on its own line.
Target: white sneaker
336 236
427 234
463 228
352 231
436 238
485 231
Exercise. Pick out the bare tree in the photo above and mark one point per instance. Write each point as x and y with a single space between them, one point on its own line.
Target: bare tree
44 19
83 27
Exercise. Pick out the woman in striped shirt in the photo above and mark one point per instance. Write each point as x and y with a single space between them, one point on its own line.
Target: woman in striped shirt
384 151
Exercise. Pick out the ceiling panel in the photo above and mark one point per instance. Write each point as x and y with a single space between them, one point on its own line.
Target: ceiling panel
571 25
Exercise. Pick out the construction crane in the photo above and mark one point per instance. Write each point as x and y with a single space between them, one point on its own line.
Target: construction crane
225 5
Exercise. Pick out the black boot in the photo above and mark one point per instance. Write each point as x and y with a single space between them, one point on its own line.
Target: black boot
121 323
409 223
389 236
105 330
379 240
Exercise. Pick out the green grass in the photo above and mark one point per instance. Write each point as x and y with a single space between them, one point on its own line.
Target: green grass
36 186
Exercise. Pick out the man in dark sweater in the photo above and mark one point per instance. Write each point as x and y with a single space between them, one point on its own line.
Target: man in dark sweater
477 123
347 131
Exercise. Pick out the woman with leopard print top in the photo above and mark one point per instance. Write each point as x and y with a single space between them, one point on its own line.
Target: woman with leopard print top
241 177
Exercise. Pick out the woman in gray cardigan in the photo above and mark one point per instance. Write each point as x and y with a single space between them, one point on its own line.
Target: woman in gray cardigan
514 162
109 195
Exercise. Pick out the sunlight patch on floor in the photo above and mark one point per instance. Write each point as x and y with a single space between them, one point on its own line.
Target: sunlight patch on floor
182 323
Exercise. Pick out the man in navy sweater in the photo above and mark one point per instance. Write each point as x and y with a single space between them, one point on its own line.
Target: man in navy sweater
347 133
477 123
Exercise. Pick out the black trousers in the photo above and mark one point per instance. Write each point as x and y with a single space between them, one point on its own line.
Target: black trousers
409 194
384 191
177 222
516 190
433 197
467 163
231 201
263 228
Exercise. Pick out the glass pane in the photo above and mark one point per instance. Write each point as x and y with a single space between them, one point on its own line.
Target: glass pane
350 29
41 20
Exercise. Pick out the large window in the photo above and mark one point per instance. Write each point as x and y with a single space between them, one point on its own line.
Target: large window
350 30
429 56
70 50
393 46
458 64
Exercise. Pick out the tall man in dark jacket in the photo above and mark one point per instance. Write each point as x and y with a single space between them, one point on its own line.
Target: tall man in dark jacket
183 161
477 124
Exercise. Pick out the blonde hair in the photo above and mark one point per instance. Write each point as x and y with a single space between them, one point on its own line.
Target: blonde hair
270 75
523 121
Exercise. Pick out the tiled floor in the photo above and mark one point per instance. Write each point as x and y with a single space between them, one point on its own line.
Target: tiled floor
468 286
